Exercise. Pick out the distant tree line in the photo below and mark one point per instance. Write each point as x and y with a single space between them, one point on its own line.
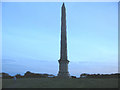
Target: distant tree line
28 74
85 75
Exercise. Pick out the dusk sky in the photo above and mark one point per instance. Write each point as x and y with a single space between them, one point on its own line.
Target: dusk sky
31 37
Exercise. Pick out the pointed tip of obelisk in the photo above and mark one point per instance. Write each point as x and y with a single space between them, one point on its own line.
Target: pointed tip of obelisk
63 4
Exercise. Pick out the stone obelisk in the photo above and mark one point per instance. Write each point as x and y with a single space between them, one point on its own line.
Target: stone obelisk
63 62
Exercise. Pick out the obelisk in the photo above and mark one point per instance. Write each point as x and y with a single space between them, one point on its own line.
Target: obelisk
63 62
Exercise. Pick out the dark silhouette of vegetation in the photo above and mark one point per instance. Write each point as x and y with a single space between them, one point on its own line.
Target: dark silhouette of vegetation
73 76
6 76
29 74
19 76
85 75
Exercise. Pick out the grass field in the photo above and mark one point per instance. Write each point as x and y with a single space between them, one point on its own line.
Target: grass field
60 83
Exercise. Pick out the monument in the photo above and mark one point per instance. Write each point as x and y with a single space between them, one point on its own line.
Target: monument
63 62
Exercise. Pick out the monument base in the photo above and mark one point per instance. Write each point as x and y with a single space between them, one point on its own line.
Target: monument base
63 69
63 75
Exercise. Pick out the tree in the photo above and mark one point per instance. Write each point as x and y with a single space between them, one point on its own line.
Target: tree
18 76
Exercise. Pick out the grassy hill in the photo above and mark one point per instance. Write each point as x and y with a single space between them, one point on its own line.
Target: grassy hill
60 83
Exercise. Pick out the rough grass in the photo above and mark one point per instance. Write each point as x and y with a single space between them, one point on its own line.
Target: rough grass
60 83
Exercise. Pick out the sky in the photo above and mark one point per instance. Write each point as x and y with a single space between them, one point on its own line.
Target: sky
31 37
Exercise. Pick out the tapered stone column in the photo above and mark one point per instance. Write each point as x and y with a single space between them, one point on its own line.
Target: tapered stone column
63 62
